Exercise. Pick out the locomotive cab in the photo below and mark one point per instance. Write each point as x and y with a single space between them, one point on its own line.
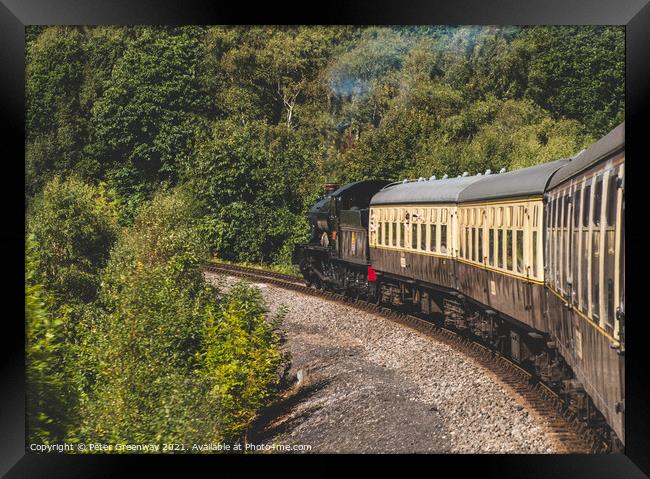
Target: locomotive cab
336 255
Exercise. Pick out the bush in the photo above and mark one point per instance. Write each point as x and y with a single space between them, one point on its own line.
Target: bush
163 354
49 397
73 226
241 357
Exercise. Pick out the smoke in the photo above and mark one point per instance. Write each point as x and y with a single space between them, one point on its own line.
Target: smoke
349 86
380 51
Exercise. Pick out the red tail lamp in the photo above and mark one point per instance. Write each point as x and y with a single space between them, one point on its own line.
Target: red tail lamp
372 275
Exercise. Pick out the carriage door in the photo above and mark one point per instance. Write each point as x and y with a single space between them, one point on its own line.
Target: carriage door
566 263
573 259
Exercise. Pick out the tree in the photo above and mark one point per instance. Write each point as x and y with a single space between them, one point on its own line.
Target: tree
146 120
169 362
73 226
579 73
251 180
55 127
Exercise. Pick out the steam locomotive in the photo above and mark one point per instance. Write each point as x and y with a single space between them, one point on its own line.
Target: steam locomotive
530 262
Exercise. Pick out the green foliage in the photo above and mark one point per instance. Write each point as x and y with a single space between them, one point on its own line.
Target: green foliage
250 178
55 131
579 73
240 357
158 352
73 226
49 395
145 120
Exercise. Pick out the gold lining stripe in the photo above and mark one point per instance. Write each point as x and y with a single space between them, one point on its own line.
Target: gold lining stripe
586 318
590 321
488 268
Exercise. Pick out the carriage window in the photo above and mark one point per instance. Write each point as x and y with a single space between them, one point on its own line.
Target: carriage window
535 253
467 243
432 240
401 234
394 243
414 236
621 268
500 247
565 216
584 282
443 238
598 198
609 251
491 247
461 240
566 256
585 205
378 234
472 239
520 216
595 274
575 239
423 236
612 198
386 232
480 245
509 249
520 251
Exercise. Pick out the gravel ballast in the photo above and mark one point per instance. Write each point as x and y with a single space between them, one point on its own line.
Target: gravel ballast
371 385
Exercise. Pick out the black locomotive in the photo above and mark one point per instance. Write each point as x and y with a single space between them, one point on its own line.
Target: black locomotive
529 261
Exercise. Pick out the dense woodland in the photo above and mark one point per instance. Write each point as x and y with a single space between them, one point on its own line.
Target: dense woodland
150 149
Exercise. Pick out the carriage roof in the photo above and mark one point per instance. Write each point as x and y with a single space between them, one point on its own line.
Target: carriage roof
525 182
427 191
608 145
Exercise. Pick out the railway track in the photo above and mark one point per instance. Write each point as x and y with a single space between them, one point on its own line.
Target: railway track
570 435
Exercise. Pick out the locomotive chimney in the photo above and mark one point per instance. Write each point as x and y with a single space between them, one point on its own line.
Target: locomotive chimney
330 188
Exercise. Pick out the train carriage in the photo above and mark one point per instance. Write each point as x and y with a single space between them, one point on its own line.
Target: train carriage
585 271
501 230
417 236
530 261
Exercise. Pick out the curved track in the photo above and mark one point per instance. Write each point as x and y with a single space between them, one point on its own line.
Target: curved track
571 435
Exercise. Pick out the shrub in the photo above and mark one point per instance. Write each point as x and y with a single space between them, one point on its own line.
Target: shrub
168 362
48 394
73 226
241 357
